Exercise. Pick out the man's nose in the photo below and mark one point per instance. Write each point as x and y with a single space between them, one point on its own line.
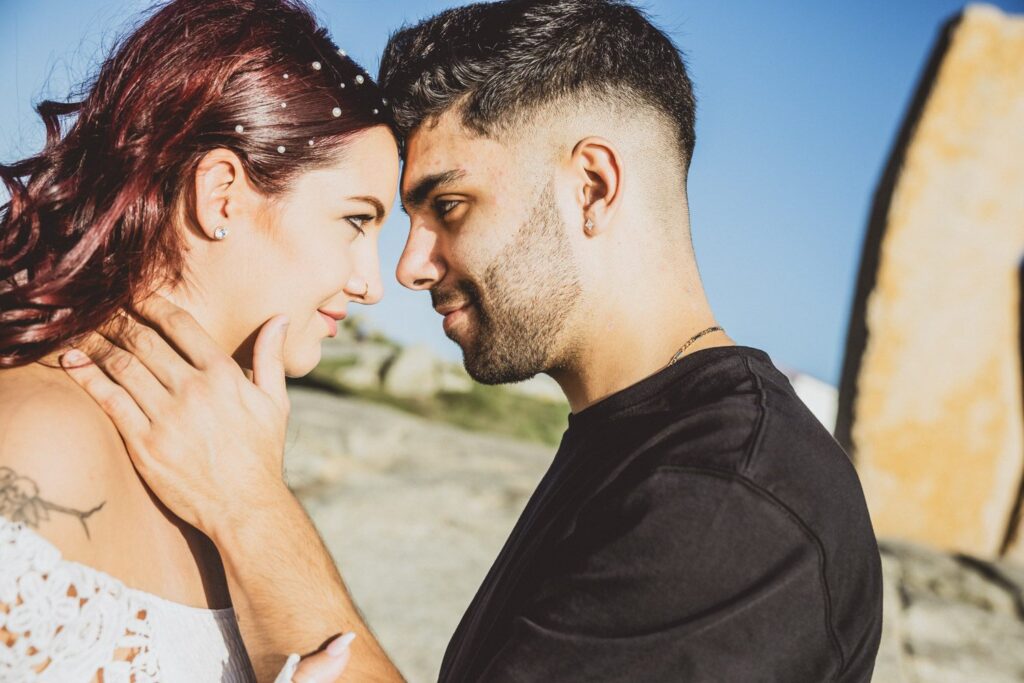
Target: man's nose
420 266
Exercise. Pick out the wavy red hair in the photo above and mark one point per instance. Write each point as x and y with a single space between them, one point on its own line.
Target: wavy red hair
91 225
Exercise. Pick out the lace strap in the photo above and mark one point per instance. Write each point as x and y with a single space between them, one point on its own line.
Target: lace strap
62 621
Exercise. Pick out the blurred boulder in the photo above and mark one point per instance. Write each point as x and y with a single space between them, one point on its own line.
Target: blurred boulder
930 403
412 373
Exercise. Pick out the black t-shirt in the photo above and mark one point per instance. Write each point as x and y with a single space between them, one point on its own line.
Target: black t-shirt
698 526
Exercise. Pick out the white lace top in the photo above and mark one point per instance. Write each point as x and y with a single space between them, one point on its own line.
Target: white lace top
83 624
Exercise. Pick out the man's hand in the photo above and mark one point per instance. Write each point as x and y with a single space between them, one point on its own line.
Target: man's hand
207 440
210 443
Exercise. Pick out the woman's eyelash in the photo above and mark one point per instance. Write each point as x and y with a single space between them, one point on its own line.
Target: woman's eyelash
357 222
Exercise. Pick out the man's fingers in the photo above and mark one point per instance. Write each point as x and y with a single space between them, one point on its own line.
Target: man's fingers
178 326
150 348
126 370
113 399
268 360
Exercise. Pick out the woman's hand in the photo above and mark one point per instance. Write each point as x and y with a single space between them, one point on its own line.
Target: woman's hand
325 666
208 440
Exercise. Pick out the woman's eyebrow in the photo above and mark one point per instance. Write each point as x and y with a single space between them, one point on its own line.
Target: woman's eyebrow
377 204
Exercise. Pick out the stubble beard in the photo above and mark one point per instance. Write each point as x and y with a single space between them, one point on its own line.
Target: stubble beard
528 293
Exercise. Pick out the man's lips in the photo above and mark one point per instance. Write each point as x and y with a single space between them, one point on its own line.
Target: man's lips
450 308
332 318
453 313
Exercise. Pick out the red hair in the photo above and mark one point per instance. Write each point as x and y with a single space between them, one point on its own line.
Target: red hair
90 225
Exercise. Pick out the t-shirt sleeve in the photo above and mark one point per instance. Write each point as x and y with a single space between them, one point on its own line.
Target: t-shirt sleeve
685 576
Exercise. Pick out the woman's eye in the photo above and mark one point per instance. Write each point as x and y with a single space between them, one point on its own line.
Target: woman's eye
358 222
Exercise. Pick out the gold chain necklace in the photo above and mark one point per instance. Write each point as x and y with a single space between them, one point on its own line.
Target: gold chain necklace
690 341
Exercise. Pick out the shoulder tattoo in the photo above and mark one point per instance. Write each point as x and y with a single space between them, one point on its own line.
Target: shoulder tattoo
20 502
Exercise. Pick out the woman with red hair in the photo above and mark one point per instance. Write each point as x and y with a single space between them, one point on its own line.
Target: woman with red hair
231 158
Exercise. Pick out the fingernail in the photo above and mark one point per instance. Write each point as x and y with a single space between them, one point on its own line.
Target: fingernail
340 644
74 356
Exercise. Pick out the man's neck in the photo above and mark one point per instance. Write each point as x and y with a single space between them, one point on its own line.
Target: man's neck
630 348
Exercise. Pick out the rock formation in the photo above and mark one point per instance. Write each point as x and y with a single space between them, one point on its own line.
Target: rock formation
931 398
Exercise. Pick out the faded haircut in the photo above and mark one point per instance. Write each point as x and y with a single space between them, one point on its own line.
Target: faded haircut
498 62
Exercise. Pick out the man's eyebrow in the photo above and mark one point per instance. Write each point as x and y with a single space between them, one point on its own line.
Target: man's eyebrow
418 193
373 201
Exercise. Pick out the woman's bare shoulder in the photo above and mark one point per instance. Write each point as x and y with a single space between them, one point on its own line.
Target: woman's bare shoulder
61 459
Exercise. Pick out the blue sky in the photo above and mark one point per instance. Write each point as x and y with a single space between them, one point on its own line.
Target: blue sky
798 104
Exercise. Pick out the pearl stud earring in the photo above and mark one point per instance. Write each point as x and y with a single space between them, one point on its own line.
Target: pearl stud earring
220 233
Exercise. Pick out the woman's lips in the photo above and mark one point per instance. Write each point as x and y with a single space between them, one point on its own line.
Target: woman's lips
332 322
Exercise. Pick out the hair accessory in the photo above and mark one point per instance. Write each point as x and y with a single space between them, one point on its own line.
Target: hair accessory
316 66
280 149
286 77
376 111
239 128
342 52
284 105
220 233
311 142
336 112
342 85
359 79
384 101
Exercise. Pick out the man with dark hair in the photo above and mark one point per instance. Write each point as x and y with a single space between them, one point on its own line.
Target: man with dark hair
697 523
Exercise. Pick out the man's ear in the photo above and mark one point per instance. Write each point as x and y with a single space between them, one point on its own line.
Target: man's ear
222 192
597 167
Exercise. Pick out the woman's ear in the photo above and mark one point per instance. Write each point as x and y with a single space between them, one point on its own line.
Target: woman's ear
597 166
222 192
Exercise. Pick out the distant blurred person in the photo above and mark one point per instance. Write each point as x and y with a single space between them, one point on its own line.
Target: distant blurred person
697 524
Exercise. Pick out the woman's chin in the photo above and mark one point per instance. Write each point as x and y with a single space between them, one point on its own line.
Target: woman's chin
301 363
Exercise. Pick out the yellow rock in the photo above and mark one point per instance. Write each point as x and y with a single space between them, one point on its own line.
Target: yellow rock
937 426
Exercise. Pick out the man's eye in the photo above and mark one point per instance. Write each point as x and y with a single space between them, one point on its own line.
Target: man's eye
443 206
358 222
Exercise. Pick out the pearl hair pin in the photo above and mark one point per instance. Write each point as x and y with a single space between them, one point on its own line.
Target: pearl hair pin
358 79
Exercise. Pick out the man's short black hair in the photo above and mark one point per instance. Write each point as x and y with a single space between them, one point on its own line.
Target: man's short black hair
496 60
